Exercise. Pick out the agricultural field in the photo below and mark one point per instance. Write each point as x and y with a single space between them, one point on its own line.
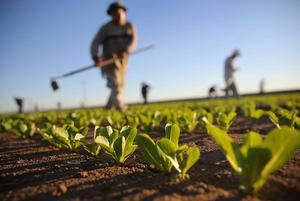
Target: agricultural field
246 149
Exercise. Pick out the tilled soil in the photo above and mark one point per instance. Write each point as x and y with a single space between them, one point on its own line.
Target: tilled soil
32 169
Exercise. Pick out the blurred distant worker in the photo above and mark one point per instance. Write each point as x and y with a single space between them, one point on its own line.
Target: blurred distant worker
117 38
58 105
145 90
19 102
230 69
212 92
262 86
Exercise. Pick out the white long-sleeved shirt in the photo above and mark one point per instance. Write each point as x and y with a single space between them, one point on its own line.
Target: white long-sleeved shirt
229 70
114 39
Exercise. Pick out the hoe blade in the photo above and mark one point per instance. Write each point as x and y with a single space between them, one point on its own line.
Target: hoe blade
54 85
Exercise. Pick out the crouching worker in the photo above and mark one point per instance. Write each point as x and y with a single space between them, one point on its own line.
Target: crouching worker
116 39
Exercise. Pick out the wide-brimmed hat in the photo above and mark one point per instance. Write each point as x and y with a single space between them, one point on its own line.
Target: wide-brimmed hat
115 6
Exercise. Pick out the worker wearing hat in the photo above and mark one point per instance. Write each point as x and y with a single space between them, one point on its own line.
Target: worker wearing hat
117 39
230 69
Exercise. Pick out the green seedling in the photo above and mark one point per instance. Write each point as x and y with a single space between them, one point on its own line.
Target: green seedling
256 159
119 146
285 118
23 129
224 120
92 148
188 121
166 155
63 136
249 110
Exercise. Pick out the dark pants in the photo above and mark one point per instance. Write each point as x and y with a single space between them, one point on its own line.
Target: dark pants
231 89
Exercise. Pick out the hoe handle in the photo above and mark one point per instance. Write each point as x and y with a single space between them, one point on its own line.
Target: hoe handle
104 63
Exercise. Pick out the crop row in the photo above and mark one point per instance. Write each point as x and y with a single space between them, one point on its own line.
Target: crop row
253 161
119 135
187 118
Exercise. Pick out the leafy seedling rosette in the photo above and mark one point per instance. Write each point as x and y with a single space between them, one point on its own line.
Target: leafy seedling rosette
165 155
255 159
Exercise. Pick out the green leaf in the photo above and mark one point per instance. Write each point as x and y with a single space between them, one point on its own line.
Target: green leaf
252 139
103 142
182 148
149 151
92 148
129 150
83 130
282 144
61 132
192 155
274 119
119 149
113 137
167 146
106 131
129 134
174 162
79 137
230 149
172 132
252 166
97 132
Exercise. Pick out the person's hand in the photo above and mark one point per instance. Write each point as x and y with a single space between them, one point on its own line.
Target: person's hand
98 61
124 54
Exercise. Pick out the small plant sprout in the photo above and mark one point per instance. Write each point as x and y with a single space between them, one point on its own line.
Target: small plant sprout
285 118
256 158
224 120
93 148
118 146
63 136
23 129
166 155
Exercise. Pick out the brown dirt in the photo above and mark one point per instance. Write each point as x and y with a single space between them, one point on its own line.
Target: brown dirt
31 169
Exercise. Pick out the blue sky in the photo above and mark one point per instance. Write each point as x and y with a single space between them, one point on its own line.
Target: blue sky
42 38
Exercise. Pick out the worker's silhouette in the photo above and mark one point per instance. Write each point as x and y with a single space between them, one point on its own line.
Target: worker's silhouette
262 86
230 69
212 92
117 39
145 90
19 102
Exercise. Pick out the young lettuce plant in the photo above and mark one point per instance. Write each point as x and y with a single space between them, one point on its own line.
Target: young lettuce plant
285 118
149 120
188 121
63 136
256 159
23 129
92 148
224 120
6 124
166 155
249 110
118 146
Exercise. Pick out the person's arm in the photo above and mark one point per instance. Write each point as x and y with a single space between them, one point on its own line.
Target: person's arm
97 41
133 43
235 69
233 66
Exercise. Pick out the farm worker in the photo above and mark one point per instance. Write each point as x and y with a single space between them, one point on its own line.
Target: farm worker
262 86
117 39
145 88
19 102
212 92
230 69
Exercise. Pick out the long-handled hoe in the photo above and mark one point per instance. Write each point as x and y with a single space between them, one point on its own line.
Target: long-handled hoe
55 86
